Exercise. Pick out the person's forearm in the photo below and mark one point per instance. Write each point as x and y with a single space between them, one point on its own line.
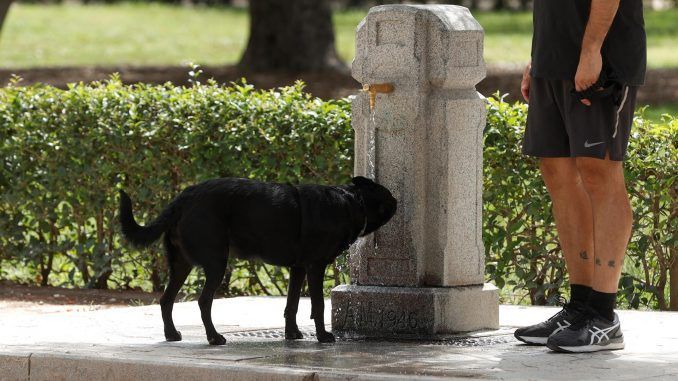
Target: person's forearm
600 19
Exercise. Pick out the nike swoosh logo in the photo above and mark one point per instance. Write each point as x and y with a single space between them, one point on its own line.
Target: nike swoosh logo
587 145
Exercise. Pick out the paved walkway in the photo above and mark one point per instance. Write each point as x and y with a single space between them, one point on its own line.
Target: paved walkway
127 344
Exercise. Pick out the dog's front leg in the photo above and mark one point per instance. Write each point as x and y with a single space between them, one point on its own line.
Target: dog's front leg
297 275
316 273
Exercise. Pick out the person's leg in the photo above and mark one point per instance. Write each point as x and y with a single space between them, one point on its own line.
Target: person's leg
574 222
546 137
573 215
612 218
597 133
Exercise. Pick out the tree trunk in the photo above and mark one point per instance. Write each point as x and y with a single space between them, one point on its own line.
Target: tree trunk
156 270
290 35
524 5
673 283
4 7
102 281
45 269
661 289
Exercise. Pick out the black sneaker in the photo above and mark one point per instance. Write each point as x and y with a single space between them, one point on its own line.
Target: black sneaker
591 333
539 333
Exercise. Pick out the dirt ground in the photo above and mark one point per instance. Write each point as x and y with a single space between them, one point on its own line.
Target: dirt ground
661 85
54 299
326 85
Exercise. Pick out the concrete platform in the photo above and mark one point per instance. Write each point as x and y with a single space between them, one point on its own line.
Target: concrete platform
412 312
127 344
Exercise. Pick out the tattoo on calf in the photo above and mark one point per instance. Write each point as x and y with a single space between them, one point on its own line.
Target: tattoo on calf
583 255
611 263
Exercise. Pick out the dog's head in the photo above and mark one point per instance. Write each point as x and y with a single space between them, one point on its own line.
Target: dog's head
380 205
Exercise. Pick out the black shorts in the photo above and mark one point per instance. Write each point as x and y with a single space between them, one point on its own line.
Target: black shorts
559 125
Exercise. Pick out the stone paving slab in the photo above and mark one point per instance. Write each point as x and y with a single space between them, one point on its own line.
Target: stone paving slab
127 344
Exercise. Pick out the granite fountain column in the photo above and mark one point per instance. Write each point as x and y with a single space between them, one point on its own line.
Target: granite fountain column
418 131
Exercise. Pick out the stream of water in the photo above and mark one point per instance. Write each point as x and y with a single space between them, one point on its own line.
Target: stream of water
371 147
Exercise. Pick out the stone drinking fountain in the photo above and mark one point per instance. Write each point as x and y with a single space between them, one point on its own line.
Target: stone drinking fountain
418 131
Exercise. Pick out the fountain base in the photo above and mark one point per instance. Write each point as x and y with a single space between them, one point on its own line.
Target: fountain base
404 312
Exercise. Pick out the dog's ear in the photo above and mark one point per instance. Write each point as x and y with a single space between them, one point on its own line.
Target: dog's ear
362 181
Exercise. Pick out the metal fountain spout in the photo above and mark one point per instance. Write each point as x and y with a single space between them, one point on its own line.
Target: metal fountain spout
373 89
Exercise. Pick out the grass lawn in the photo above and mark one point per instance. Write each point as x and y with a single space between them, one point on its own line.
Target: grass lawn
137 34
655 112
156 34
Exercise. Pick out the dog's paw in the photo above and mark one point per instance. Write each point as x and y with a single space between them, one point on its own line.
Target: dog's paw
217 340
173 336
325 337
293 334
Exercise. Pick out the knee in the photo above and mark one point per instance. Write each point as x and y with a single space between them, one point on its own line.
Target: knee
559 175
204 301
166 300
598 176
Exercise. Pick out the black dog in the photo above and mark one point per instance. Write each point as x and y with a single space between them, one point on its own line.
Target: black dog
304 227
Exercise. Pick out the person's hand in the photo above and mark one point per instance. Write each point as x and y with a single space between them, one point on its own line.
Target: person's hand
588 71
525 84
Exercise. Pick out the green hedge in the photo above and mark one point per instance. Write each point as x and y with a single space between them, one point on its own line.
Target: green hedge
65 152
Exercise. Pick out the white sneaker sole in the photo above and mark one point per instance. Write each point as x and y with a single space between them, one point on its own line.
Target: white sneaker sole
533 340
589 348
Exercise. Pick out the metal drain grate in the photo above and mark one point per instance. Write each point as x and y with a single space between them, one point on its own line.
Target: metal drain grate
454 341
267 334
472 341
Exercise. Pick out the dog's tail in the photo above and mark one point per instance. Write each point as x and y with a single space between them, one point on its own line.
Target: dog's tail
142 236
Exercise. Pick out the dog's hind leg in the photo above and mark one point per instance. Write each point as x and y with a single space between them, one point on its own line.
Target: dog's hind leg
316 275
179 268
214 275
297 275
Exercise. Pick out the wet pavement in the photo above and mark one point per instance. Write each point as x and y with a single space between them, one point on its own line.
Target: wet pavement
127 343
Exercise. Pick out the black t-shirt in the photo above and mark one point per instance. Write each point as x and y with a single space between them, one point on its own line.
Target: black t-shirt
559 30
